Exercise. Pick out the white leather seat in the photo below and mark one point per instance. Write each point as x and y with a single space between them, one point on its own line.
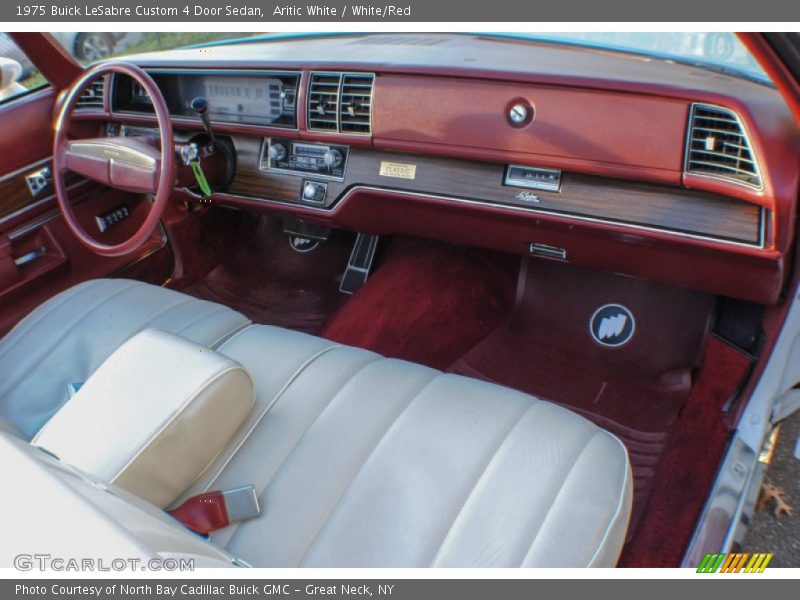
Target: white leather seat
358 460
64 340
370 462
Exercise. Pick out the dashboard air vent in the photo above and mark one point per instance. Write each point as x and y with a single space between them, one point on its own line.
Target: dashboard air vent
92 96
323 101
355 108
718 147
340 102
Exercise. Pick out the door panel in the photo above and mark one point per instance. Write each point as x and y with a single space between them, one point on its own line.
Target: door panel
26 124
39 256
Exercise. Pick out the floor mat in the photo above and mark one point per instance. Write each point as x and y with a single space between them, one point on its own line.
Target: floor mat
634 388
428 302
271 283
690 462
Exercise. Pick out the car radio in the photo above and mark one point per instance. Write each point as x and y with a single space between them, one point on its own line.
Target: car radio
304 158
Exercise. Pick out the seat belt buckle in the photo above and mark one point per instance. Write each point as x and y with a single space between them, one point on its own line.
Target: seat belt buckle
212 511
242 503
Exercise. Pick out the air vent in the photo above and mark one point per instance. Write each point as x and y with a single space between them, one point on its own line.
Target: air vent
92 96
340 102
323 101
718 147
355 108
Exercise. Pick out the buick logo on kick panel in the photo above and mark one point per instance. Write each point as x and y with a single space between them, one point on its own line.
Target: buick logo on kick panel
612 325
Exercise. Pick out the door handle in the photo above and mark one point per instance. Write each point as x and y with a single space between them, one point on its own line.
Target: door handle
30 257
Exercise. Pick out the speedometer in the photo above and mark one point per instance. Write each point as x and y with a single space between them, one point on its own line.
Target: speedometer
245 97
241 98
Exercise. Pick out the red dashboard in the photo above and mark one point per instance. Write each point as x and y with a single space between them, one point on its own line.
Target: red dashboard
640 190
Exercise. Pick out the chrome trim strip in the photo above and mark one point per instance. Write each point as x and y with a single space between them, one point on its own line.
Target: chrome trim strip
34 225
520 209
29 208
745 134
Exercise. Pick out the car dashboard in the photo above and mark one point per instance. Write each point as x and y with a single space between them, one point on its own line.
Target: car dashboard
628 164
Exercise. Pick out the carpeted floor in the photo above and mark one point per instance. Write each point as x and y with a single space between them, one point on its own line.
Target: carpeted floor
428 302
270 283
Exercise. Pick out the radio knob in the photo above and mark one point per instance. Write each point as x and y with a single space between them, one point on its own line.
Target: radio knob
309 191
277 152
333 158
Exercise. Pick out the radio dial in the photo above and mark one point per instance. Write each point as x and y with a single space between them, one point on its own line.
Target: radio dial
309 191
277 152
333 158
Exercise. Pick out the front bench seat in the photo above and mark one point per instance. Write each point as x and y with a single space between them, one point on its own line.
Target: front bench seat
358 460
65 339
363 461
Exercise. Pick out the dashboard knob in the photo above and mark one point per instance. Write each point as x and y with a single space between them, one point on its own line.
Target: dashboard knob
277 152
310 191
333 158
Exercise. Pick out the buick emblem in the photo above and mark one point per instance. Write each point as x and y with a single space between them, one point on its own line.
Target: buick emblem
302 244
612 325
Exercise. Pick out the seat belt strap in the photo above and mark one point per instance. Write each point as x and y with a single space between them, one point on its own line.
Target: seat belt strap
212 511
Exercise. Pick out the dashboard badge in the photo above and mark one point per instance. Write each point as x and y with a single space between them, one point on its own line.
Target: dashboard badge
612 325
528 197
399 170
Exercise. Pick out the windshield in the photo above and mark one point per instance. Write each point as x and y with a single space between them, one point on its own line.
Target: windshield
722 51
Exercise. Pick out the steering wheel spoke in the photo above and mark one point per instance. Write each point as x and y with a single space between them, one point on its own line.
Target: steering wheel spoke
128 164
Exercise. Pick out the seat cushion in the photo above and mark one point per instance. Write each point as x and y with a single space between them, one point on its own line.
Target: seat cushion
64 340
153 416
365 461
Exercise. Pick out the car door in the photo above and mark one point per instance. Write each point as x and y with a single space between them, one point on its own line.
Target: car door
39 257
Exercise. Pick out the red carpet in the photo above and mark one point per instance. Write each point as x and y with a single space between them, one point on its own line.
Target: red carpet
270 283
690 462
428 302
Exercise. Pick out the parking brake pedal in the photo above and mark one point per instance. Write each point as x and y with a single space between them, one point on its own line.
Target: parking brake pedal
360 263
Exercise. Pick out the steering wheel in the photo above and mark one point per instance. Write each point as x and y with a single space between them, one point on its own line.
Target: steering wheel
124 163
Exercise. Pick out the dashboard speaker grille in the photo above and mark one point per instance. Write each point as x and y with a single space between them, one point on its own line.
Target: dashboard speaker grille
340 102
92 96
718 147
